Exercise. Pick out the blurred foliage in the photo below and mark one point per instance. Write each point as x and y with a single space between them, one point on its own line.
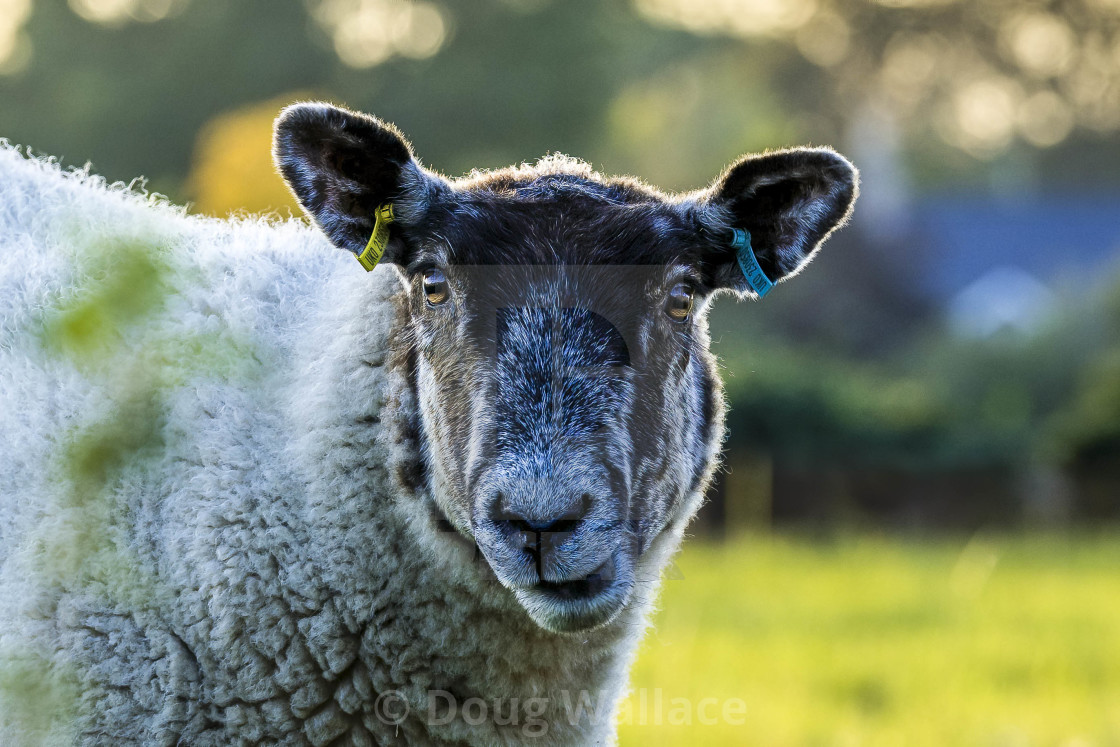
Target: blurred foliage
937 401
511 82
1089 428
1085 431
109 325
980 74
668 89
128 83
121 289
858 639
40 696
123 286
81 543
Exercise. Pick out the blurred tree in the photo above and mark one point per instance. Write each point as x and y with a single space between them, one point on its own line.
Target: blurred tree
233 168
1083 434
96 78
980 74
512 80
132 96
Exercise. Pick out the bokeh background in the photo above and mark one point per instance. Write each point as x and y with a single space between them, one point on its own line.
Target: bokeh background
913 539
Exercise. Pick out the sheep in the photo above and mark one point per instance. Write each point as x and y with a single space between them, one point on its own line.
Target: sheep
251 493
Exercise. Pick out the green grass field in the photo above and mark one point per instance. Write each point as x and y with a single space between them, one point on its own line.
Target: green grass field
867 640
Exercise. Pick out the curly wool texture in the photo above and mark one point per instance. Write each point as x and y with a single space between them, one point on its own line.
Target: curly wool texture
204 538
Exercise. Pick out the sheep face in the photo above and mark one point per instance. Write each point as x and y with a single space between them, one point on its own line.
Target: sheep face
555 323
574 422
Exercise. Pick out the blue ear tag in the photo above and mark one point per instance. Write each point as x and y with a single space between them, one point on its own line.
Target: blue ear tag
748 263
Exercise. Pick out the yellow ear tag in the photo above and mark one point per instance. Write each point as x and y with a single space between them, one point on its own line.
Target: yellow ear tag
375 249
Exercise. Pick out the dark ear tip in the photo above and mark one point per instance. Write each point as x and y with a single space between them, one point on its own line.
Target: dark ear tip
323 117
834 168
295 120
827 160
833 160
300 116
306 128
299 112
801 162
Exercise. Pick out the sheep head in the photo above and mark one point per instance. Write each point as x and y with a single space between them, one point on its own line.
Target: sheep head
571 412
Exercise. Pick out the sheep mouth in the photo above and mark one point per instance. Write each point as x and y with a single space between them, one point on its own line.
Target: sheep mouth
587 587
581 604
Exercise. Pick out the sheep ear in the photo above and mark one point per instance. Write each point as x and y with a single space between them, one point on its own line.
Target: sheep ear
342 165
788 201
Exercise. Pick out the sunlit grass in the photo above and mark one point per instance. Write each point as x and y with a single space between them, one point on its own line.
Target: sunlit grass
863 640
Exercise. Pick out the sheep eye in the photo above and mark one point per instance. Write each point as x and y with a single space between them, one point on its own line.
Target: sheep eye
679 304
436 289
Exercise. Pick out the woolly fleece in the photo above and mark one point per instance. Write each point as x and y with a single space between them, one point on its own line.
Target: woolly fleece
201 538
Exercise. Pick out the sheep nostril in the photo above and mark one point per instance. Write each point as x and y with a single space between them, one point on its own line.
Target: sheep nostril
526 539
519 532
527 530
529 525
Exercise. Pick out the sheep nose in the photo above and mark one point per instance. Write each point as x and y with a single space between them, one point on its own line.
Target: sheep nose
530 522
538 531
549 531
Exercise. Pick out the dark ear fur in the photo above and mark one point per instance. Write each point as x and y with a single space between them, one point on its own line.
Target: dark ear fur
789 200
341 165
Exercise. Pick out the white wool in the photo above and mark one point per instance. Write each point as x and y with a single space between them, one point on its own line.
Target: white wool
247 569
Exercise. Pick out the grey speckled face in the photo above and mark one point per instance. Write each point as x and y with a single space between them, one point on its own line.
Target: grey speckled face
555 340
568 414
